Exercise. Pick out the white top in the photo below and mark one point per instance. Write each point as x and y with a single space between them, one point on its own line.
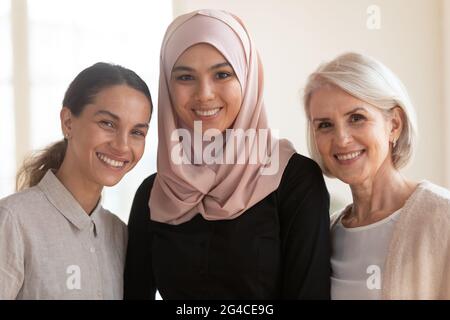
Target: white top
357 259
51 249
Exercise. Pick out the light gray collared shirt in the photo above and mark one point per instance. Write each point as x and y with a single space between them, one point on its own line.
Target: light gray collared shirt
51 249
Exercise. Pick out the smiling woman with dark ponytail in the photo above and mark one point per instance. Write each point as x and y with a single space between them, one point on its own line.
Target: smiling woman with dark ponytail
56 239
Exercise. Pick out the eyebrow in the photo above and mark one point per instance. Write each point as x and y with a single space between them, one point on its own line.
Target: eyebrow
185 68
220 65
142 125
346 114
105 112
355 110
117 118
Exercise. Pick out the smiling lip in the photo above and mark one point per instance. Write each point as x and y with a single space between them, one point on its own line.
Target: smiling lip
349 157
207 113
112 161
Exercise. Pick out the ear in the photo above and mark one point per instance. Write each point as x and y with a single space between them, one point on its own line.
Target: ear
66 122
396 123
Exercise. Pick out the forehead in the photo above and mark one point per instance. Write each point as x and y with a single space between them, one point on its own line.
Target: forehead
121 100
201 54
329 100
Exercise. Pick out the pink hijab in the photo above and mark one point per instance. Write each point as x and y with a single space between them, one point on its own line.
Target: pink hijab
224 191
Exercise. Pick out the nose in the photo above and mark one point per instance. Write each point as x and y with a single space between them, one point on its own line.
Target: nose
205 91
120 142
342 136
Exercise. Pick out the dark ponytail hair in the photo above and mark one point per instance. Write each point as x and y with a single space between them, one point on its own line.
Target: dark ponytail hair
81 92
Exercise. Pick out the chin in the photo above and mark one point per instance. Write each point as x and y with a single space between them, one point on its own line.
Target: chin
110 184
352 179
109 181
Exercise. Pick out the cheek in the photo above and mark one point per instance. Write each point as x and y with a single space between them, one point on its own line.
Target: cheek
91 137
139 149
180 97
322 144
233 98
378 139
181 104
83 136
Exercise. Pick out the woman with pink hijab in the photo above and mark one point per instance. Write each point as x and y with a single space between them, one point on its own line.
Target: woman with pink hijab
233 212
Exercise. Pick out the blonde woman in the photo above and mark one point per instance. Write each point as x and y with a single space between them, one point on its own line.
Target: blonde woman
393 241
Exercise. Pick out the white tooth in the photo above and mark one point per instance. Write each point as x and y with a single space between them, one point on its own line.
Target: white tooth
349 156
111 162
207 112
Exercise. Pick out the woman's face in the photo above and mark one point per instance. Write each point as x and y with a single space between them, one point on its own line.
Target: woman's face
108 138
204 87
352 136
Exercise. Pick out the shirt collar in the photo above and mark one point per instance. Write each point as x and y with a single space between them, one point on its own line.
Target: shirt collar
65 203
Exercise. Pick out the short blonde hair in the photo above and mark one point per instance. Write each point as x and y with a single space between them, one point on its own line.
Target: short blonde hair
369 80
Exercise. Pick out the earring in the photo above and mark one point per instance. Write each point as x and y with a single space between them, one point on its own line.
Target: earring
394 143
66 136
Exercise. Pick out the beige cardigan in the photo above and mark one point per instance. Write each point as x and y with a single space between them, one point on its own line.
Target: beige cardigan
418 260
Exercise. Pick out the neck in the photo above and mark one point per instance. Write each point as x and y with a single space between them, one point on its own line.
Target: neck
377 198
85 192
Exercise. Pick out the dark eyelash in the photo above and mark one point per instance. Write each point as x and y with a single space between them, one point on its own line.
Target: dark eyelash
228 74
106 123
357 116
140 133
184 77
323 125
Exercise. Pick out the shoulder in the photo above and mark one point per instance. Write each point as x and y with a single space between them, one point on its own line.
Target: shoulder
114 224
301 164
22 203
145 187
302 192
432 197
301 170
302 178
140 211
113 219
435 192
428 210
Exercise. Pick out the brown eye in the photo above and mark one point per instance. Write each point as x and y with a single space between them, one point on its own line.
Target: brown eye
138 133
106 124
324 125
223 75
356 117
185 77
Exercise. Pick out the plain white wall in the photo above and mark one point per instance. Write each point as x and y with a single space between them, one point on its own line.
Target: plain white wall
294 37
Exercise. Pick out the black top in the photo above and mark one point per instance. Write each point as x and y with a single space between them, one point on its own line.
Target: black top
277 249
